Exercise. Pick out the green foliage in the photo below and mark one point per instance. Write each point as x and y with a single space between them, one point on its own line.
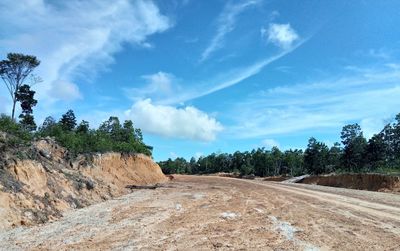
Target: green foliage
68 121
316 157
14 70
380 154
354 147
26 97
27 122
110 136
16 133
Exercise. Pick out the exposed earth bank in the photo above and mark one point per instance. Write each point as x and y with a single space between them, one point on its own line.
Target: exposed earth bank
41 182
203 213
364 181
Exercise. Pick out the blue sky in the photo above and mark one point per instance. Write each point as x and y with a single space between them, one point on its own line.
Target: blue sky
212 76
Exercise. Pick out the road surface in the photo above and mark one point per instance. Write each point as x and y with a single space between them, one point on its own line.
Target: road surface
207 213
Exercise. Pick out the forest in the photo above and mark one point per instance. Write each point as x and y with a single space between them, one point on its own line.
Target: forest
381 153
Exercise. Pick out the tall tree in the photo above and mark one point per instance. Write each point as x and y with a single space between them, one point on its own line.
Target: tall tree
354 147
68 121
26 97
334 157
316 157
14 71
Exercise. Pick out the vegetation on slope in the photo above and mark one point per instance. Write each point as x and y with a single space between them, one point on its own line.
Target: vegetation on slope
111 135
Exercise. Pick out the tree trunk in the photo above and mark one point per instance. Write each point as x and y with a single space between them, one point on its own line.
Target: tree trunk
13 109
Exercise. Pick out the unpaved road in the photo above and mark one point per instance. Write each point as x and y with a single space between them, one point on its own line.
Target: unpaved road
203 213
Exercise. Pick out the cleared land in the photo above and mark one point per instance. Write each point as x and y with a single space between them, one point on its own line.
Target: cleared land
193 212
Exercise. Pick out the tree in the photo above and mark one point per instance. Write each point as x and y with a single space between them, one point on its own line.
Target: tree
376 151
316 157
83 127
68 121
14 70
26 97
48 123
354 147
334 157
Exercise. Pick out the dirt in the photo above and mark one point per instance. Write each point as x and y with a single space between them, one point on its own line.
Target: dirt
42 182
276 178
205 212
370 182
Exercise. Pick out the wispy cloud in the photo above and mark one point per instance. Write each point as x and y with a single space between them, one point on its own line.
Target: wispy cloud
226 24
233 77
362 96
269 143
157 86
72 37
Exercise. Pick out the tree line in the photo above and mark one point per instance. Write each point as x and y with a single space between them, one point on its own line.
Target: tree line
17 73
381 153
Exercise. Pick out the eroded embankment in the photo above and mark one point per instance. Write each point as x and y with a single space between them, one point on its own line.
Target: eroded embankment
43 181
370 182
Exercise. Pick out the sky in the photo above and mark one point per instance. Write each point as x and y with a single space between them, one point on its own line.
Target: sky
212 76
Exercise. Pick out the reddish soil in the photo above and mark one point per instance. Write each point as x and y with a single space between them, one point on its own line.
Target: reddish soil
203 213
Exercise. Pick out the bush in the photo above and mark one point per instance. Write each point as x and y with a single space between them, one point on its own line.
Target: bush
16 134
110 136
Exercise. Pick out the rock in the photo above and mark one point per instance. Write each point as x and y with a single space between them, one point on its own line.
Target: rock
45 153
228 215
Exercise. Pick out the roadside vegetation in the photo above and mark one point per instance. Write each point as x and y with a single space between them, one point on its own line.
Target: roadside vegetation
17 73
380 154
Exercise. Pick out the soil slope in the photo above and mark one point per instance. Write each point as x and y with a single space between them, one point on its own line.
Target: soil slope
41 182
362 181
203 213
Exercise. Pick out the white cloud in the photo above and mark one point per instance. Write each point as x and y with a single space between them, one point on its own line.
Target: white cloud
371 126
158 86
269 143
228 79
367 97
168 121
75 38
226 24
66 91
282 35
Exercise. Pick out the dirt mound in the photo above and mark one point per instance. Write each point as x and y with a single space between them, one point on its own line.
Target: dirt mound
41 182
371 182
276 178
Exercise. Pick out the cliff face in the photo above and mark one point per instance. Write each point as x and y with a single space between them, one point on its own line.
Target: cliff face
39 183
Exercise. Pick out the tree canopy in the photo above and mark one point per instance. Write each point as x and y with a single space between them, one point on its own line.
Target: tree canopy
381 153
14 71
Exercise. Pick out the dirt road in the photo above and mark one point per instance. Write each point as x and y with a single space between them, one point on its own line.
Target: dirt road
203 213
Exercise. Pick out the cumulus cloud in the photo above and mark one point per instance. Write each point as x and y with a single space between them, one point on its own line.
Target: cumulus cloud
75 38
282 35
169 121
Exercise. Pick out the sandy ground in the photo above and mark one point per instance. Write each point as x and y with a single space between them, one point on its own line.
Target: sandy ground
203 213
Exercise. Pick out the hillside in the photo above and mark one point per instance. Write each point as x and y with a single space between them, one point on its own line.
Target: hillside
38 183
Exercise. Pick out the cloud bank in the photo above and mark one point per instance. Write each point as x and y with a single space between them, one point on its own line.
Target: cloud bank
169 121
